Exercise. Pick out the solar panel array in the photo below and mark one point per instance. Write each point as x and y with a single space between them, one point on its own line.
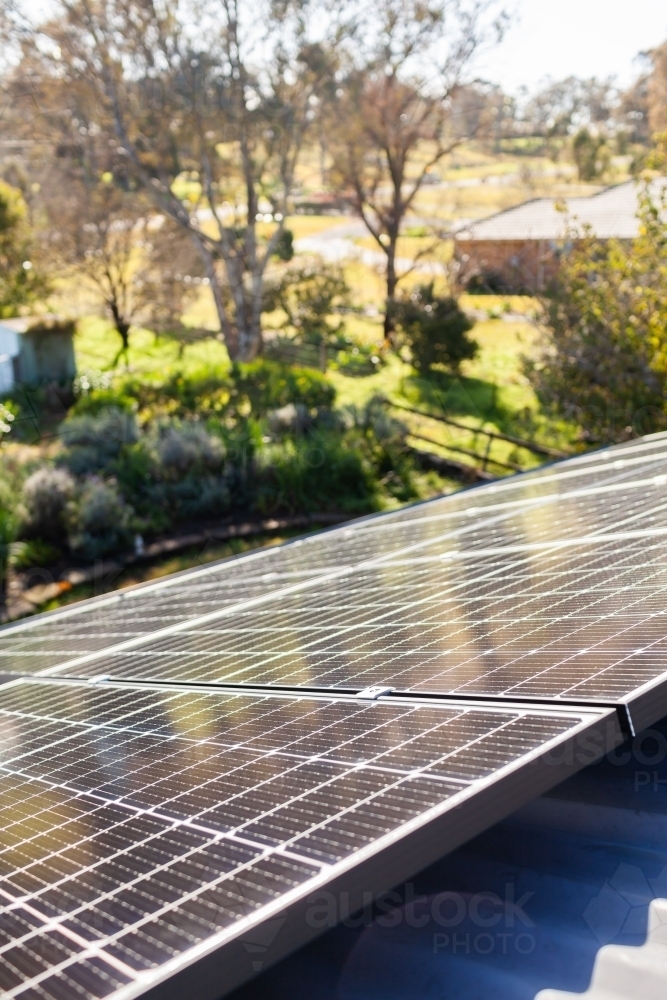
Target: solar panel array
185 762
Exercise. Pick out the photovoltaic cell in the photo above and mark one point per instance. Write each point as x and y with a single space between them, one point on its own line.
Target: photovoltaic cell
139 825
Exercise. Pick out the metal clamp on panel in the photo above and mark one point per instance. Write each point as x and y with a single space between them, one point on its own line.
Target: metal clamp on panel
373 693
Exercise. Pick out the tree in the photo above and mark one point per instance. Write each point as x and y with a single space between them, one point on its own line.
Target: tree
435 329
657 89
21 281
604 356
591 154
400 106
564 105
208 122
138 265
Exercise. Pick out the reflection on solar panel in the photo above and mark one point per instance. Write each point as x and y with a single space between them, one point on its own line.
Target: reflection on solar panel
143 827
229 759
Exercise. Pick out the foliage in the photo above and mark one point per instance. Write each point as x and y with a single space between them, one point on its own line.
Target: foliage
6 420
94 401
90 380
308 294
46 496
99 520
381 439
266 385
21 282
8 529
604 357
93 440
285 245
313 473
435 327
32 552
188 448
591 155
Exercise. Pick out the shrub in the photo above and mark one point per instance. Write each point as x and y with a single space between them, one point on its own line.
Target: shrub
188 448
89 380
604 354
34 552
99 520
46 496
310 474
309 295
285 246
181 396
380 438
93 441
94 402
435 328
192 497
267 385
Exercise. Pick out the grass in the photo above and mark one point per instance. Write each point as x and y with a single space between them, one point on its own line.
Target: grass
96 345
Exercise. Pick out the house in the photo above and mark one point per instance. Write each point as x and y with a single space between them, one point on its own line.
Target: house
34 350
519 249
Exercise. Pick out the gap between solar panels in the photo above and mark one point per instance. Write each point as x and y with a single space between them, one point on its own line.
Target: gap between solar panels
173 839
625 719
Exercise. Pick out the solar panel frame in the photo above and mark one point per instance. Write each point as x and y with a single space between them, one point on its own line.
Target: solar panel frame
219 963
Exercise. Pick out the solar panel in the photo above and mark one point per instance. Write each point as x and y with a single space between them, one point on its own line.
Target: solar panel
558 596
495 515
150 834
185 763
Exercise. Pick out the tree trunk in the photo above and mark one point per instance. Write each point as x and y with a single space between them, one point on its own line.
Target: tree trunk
122 326
392 282
228 332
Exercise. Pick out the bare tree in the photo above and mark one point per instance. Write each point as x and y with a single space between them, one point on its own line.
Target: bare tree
205 104
402 105
138 265
561 106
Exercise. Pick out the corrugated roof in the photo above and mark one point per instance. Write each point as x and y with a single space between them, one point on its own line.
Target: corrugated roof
610 214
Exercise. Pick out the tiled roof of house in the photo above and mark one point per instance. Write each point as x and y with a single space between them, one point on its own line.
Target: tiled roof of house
610 214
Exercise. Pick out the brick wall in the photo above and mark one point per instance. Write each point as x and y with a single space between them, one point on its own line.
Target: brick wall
523 265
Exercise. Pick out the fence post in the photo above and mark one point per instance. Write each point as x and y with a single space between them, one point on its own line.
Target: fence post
323 355
486 453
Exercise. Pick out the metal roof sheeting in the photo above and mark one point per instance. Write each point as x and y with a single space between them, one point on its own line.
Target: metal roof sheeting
622 972
610 214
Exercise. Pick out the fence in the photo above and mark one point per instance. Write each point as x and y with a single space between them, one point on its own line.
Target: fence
485 459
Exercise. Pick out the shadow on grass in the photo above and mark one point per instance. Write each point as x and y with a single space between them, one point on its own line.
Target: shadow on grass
458 396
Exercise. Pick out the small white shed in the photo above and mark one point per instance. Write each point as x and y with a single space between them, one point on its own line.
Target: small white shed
10 348
34 349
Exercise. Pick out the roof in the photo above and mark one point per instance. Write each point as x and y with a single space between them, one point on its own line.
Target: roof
22 324
18 324
611 214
